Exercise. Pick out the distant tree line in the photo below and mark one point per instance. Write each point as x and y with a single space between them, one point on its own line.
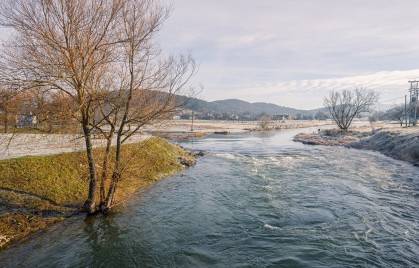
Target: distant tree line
41 110
396 113
247 116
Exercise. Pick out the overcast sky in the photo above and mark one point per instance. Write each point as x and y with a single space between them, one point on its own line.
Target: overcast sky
292 52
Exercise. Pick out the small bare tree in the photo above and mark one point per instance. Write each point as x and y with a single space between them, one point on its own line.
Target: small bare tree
344 106
7 105
143 90
264 122
65 46
54 111
373 118
397 114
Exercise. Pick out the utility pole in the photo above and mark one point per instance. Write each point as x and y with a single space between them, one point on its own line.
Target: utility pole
192 121
405 109
413 104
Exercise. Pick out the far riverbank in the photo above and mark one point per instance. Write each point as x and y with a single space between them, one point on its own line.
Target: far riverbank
30 144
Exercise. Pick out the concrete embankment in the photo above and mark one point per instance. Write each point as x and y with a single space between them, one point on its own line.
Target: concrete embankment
401 144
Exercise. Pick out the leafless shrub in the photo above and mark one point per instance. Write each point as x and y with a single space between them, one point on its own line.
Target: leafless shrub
346 105
264 122
8 106
397 113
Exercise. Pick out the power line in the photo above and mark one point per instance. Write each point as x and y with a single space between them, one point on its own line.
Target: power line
387 100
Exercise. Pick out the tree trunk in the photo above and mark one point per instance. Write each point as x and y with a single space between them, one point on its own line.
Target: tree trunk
112 189
105 171
6 121
116 175
90 203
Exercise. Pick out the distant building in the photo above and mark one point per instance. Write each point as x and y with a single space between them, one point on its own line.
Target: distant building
279 117
234 117
185 116
26 120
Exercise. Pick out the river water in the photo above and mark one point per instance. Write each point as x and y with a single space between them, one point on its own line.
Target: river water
255 200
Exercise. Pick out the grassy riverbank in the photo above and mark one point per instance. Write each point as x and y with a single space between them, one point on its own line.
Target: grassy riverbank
395 142
40 190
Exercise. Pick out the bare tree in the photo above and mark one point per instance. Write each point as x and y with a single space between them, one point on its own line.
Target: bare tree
101 55
346 105
7 105
373 118
264 122
66 46
144 90
397 113
54 111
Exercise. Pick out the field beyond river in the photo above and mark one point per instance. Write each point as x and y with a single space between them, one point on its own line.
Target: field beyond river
38 144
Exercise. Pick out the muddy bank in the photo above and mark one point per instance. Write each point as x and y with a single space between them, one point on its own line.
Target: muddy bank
401 144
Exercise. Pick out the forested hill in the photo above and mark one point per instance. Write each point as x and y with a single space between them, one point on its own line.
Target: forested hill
240 107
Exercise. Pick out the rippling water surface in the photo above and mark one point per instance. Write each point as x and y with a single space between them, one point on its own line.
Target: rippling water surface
255 200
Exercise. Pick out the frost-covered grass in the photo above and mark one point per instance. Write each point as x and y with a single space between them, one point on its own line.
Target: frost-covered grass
402 145
389 139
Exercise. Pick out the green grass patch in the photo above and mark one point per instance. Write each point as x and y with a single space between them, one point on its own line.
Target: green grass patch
62 179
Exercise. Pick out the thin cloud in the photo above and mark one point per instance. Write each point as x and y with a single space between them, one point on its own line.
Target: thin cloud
292 52
309 94
240 41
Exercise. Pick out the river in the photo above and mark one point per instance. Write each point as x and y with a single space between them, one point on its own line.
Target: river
255 200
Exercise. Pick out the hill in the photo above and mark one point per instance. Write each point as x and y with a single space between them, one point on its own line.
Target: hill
239 109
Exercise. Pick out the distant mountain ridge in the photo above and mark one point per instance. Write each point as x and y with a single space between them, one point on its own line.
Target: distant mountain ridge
236 106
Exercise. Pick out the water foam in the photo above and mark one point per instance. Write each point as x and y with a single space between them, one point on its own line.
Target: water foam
271 227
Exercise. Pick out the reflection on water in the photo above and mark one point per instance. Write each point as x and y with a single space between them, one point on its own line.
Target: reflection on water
255 200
